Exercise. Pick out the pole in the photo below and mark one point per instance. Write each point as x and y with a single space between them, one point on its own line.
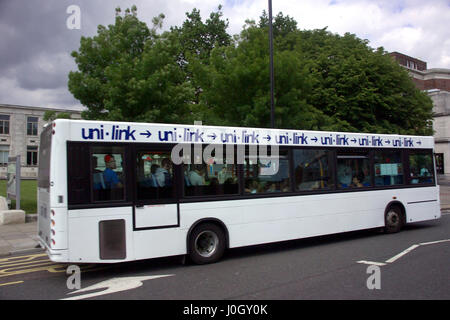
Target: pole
272 108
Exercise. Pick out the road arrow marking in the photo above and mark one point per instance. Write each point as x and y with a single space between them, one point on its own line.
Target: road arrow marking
401 254
114 285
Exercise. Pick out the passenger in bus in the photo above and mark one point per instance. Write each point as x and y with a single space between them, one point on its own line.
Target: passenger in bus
109 175
97 175
271 187
163 175
285 186
356 181
252 186
223 174
366 181
424 172
197 175
150 180
344 173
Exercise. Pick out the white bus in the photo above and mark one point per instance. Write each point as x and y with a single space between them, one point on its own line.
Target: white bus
109 191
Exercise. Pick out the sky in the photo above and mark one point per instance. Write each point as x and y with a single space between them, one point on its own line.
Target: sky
37 36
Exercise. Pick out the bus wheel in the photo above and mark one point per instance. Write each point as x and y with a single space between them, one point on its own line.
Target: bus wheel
206 243
393 220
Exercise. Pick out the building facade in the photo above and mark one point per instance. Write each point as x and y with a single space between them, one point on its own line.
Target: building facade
20 129
436 82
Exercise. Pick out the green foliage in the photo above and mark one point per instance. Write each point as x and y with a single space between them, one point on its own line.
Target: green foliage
323 81
51 115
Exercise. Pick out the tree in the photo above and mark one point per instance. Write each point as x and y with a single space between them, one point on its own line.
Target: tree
323 81
363 87
128 72
197 39
51 115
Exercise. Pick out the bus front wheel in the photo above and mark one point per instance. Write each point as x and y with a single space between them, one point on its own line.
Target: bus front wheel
206 243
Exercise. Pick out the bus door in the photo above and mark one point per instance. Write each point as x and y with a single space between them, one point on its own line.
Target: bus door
155 203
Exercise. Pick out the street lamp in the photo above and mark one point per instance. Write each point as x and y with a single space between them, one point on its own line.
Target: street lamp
272 108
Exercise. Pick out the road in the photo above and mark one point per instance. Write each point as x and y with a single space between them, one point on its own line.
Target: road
412 264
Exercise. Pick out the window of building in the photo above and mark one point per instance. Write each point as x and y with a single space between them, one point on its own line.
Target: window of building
388 168
353 170
211 175
32 155
439 163
155 178
4 124
4 154
421 167
311 170
108 175
266 174
32 126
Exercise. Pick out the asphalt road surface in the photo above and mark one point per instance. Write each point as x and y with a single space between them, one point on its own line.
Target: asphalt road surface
412 264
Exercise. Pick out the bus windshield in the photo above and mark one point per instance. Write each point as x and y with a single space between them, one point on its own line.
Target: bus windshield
44 158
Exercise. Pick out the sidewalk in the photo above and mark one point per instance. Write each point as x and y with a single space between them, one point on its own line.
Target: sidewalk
16 238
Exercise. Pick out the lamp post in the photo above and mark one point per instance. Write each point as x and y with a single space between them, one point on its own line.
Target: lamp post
272 108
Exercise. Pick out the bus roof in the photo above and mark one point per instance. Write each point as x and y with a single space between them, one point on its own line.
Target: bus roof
137 132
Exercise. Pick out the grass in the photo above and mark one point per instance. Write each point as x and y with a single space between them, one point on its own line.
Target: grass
28 198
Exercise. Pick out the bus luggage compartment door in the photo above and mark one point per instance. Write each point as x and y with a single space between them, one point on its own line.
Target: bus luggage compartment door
156 216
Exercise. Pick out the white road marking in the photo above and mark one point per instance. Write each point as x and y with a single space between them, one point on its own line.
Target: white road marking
380 264
114 285
401 254
434 242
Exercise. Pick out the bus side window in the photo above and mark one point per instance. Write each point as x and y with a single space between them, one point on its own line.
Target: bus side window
154 175
421 168
353 170
213 176
388 167
311 170
265 174
108 175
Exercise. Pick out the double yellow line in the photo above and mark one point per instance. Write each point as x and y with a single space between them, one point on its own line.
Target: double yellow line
26 264
12 266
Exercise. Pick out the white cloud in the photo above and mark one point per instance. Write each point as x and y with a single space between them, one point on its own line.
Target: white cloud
34 38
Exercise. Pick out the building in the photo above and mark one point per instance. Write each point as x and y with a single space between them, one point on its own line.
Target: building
20 128
436 82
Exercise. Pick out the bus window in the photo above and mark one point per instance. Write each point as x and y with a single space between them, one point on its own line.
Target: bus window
108 176
154 175
353 171
421 167
388 168
211 177
311 170
263 175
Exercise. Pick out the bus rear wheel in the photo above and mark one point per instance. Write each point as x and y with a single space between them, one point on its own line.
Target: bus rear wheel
393 220
206 243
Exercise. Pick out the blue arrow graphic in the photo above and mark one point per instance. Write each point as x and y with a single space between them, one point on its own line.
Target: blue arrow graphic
148 134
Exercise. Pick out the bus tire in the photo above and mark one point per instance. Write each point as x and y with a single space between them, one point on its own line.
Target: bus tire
206 243
393 219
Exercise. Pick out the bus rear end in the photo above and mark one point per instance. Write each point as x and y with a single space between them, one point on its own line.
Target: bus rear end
51 227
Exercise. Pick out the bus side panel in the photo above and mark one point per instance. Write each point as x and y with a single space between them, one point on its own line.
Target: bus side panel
277 219
84 234
154 243
422 204
265 220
